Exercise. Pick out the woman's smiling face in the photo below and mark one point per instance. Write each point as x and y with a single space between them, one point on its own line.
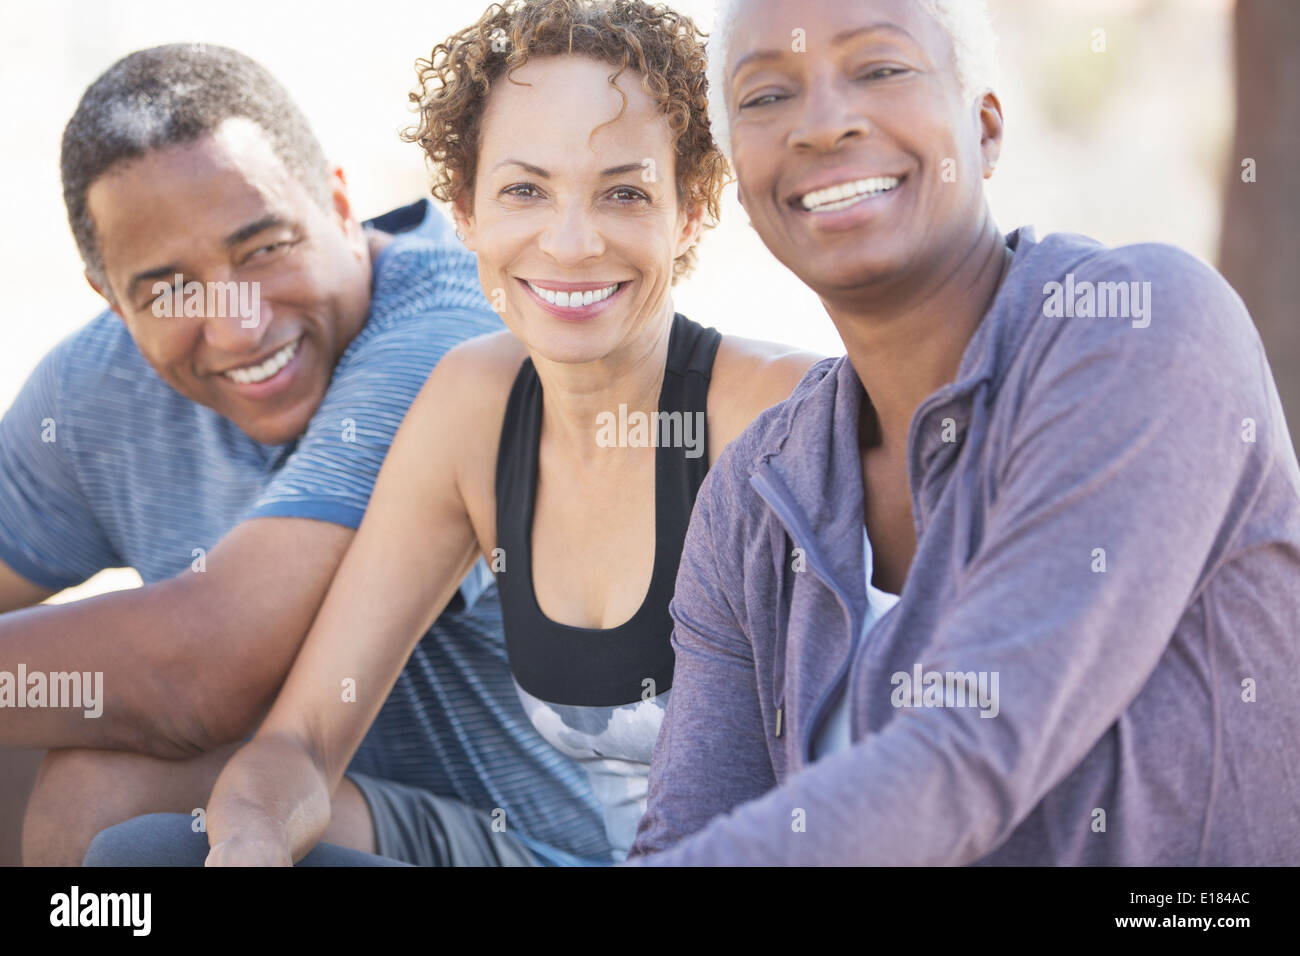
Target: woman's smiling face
569 201
859 158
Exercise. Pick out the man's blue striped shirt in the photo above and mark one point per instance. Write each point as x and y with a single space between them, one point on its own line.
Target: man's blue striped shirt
102 464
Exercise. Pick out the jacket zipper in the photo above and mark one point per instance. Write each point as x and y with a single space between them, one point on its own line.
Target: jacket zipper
777 502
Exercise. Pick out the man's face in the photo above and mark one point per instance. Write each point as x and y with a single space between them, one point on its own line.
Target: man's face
224 209
867 124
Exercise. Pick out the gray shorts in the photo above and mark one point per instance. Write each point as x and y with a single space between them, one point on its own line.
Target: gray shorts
420 828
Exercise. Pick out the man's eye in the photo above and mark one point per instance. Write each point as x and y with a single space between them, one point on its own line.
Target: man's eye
173 293
272 247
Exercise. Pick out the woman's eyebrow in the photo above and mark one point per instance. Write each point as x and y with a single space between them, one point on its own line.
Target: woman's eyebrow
759 56
883 26
526 167
543 174
624 169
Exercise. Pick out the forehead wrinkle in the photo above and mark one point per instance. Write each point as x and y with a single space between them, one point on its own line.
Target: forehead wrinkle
966 25
249 195
625 96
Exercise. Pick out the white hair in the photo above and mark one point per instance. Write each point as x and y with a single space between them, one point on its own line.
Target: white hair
967 23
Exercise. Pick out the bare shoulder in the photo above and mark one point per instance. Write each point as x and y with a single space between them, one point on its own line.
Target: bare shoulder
495 355
473 380
455 421
749 377
467 394
764 371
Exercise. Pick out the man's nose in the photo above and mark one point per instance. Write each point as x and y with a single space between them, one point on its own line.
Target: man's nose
236 319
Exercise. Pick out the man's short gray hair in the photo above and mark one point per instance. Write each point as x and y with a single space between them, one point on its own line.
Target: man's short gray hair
173 95
967 23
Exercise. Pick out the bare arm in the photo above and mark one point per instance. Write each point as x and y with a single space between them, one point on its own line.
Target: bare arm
416 543
749 377
188 663
17 592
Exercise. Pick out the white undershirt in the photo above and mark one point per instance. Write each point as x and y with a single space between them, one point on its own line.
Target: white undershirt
834 733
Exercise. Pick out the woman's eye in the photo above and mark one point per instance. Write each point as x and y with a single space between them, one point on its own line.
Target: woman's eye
763 100
627 194
883 72
522 190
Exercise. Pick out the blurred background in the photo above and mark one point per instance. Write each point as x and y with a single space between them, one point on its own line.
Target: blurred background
1138 137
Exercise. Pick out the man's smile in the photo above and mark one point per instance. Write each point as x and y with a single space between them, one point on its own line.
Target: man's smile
269 377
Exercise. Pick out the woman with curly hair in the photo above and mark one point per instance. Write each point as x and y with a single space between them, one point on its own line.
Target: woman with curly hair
572 139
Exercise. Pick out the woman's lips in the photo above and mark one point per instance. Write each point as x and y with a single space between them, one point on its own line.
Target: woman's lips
575 313
841 186
838 214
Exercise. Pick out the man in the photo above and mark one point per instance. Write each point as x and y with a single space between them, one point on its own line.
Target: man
219 430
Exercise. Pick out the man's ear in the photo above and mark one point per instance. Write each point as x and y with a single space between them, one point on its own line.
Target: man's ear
102 293
342 203
990 117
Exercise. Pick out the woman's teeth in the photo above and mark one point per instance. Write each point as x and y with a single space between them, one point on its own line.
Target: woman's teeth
574 300
841 197
260 373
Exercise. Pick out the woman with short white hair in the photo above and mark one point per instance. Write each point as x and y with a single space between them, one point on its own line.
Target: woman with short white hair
1014 581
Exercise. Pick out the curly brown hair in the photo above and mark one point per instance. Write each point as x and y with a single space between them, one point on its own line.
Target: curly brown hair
661 46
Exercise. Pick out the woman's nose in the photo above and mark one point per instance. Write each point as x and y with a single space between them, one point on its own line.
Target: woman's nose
572 235
827 117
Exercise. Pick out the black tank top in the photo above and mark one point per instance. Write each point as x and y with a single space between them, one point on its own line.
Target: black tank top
595 667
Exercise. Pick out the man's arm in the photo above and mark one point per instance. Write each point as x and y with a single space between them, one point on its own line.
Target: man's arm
194 661
17 592
188 663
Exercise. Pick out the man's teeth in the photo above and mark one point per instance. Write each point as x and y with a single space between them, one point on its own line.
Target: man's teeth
843 196
574 300
260 373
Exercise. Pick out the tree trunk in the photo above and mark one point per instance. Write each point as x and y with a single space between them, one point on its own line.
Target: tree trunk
1259 250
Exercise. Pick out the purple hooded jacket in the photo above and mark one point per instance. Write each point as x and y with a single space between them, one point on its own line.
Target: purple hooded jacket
1108 536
